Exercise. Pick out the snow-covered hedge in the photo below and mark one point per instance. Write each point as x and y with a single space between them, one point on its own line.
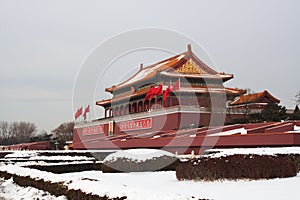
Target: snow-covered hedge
67 168
235 167
139 160
54 188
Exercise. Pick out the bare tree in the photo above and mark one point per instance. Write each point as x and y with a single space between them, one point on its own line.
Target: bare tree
5 132
16 132
297 98
23 131
64 131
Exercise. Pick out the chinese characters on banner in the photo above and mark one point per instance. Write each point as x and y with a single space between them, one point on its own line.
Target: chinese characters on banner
136 124
124 126
92 130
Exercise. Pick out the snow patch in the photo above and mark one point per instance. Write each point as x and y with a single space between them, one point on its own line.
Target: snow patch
256 151
21 154
242 131
138 155
70 158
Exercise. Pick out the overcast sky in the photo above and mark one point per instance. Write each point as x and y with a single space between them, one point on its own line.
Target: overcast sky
44 43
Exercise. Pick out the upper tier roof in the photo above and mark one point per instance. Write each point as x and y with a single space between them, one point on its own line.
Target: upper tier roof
193 90
186 65
254 98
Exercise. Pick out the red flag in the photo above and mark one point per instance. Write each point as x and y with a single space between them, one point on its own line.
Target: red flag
158 90
167 93
87 109
149 94
176 86
78 113
153 91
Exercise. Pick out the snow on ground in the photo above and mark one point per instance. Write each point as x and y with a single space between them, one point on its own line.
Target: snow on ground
34 156
258 151
161 185
165 186
139 155
10 191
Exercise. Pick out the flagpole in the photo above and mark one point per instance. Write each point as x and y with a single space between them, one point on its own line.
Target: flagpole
170 93
89 112
86 117
179 92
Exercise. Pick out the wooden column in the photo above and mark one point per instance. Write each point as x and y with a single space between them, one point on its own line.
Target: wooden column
110 112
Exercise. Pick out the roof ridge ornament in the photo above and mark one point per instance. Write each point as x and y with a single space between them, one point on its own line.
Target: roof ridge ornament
190 67
141 66
189 48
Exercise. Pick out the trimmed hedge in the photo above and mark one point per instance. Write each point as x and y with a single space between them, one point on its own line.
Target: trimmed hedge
67 168
295 158
163 163
3 154
236 167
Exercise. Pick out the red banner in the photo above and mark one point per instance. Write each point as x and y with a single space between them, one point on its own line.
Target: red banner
136 124
92 130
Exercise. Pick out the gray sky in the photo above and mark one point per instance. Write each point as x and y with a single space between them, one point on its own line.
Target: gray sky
43 44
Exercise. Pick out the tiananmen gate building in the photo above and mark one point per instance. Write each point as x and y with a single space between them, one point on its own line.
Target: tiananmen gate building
180 104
